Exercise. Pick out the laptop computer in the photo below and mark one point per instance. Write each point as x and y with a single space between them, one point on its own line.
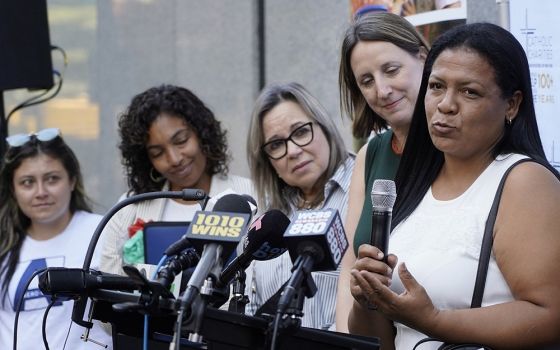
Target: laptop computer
159 235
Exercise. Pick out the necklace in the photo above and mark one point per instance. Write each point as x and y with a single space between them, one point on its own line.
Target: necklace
305 204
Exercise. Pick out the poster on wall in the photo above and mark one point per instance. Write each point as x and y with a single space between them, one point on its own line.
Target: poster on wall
431 17
536 28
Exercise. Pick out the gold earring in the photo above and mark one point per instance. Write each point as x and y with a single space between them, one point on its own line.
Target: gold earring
154 178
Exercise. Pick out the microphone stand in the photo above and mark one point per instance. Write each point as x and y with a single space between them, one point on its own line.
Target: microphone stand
201 284
186 194
299 286
239 300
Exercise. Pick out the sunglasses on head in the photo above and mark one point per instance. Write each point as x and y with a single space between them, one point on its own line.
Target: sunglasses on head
44 135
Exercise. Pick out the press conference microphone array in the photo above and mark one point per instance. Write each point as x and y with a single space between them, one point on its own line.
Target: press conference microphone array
383 196
186 194
214 235
316 241
263 241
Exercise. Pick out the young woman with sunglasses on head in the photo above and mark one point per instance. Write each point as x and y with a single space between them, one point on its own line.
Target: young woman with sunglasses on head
45 221
298 161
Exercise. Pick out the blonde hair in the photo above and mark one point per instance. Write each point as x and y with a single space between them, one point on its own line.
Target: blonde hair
270 187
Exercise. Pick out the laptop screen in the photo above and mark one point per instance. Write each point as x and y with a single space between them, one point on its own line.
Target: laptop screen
158 235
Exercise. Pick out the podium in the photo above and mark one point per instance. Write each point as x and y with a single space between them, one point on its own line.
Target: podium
222 330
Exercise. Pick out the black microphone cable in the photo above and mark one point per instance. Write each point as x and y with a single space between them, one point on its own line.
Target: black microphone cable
40 98
20 303
275 327
67 335
44 324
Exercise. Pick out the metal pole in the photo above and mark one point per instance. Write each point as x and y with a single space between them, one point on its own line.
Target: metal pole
261 43
503 8
3 128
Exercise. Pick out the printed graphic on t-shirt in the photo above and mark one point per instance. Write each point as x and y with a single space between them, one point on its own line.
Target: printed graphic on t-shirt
33 299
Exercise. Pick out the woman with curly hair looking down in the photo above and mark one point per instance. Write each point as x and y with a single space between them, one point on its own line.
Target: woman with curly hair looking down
170 140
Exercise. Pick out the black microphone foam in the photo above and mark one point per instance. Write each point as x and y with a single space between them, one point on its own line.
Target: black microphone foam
383 196
263 241
72 282
234 203
320 234
250 199
181 262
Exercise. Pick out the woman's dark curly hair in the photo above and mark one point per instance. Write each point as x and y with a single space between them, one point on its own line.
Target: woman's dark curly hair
135 123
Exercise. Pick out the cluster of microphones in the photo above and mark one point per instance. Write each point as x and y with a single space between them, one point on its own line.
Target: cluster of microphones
315 239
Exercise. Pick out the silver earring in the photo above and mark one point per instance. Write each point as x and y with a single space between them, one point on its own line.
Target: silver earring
508 121
154 178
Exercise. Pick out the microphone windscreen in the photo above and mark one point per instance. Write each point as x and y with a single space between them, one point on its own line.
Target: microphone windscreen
233 203
250 199
269 228
383 194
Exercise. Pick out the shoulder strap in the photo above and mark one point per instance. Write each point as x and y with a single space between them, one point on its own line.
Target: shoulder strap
488 240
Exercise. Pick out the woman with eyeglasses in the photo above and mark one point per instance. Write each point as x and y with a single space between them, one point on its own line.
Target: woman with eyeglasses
170 140
45 221
298 161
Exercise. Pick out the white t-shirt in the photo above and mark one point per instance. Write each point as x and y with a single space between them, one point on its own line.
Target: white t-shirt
175 211
65 250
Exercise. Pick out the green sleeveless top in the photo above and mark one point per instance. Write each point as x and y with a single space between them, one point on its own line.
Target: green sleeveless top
383 164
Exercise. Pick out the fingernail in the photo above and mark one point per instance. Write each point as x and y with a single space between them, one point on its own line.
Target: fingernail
380 255
389 282
389 270
404 267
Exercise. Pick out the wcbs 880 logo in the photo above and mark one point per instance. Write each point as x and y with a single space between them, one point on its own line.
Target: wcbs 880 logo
310 223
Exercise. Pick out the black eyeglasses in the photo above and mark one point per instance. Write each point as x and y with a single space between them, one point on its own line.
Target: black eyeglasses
43 136
301 136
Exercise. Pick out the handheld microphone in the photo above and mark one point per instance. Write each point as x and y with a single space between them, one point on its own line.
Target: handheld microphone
215 235
72 282
263 241
383 196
